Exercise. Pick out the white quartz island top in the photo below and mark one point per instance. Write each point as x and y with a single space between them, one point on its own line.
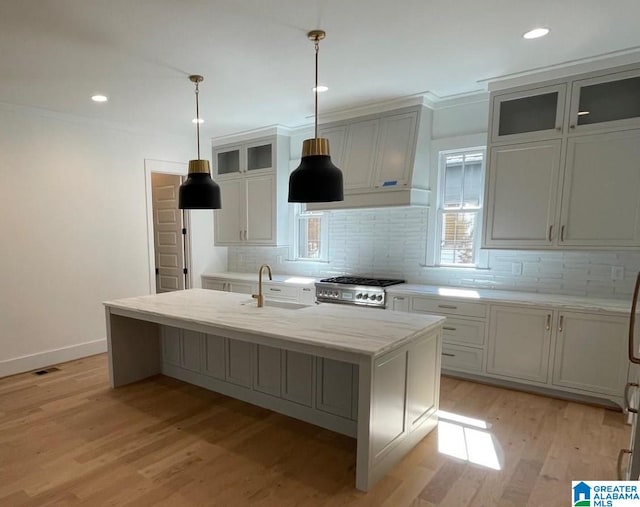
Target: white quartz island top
295 280
367 331
618 306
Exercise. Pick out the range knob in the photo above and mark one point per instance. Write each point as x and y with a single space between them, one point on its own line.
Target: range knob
336 294
379 298
365 296
359 295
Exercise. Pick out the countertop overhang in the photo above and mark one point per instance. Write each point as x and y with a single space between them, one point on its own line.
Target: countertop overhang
366 331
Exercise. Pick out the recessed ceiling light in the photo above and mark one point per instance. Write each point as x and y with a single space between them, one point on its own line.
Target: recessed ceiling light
99 98
197 120
320 88
535 33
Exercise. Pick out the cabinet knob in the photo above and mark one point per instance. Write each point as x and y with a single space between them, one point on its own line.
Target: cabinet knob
572 126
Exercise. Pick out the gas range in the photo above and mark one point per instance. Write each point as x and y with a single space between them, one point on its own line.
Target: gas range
354 290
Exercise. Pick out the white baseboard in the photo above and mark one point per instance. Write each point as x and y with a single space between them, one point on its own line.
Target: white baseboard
51 357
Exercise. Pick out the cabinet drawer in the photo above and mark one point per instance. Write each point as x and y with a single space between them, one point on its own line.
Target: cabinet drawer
307 295
279 291
465 332
448 307
458 357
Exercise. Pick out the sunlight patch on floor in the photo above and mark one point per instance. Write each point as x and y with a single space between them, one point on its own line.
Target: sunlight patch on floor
468 439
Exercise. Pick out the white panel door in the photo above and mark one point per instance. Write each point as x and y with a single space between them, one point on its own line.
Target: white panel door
397 141
167 232
519 342
591 353
360 153
229 219
601 197
522 192
260 209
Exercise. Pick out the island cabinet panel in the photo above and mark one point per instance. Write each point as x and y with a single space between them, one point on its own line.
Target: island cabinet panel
214 356
239 363
297 377
191 350
171 345
332 396
422 395
389 401
268 370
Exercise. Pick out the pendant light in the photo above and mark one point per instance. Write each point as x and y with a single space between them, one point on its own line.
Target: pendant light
199 191
316 179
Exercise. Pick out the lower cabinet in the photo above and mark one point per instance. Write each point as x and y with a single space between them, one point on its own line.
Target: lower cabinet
333 398
519 342
228 285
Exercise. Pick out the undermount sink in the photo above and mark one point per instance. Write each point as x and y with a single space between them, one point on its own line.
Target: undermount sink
278 304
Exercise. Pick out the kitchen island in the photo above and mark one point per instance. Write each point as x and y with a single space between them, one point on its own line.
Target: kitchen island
369 374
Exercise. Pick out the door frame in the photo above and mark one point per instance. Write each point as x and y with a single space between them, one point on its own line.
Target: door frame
165 167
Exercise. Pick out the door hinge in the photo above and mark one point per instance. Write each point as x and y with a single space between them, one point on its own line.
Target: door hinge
184 231
157 271
185 271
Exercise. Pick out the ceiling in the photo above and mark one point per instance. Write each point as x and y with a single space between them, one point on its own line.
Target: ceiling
258 63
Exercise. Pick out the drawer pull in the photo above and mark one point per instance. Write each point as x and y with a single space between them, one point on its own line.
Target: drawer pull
449 307
627 403
306 290
550 229
561 323
275 290
398 298
562 233
448 328
448 354
620 458
548 326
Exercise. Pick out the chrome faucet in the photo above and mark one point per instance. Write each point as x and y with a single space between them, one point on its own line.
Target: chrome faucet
259 295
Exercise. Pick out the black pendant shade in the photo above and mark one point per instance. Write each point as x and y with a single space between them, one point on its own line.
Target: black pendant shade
199 191
316 179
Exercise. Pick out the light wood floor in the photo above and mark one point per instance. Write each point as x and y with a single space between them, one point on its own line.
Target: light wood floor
66 438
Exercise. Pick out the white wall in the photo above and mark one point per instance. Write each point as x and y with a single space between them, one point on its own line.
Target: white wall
74 231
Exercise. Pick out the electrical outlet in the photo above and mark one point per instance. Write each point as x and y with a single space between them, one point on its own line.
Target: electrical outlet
516 268
617 272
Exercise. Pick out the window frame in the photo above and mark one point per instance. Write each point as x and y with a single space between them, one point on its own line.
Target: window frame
480 257
299 213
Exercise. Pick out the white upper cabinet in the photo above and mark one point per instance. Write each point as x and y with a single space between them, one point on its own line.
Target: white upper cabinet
601 201
572 183
610 102
253 178
528 115
384 158
522 190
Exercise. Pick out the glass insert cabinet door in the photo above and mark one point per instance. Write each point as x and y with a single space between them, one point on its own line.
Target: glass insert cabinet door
605 102
260 157
227 160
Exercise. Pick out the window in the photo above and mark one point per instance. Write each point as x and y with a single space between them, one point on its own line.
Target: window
310 235
459 208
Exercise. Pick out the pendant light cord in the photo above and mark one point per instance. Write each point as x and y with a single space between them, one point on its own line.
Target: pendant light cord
198 120
317 46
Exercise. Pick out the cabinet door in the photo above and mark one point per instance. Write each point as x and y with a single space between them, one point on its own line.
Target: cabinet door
260 209
601 196
519 341
171 345
337 137
239 365
229 220
399 303
214 356
605 102
358 166
332 396
241 288
191 350
260 156
591 353
220 285
227 160
528 115
521 195
395 152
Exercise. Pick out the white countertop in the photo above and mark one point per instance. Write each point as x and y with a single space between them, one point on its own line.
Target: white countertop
299 281
619 306
367 331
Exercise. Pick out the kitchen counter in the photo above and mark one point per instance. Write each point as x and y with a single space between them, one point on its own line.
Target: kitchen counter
616 306
325 325
366 373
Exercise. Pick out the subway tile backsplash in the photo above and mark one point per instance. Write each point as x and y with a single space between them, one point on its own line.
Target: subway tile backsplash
391 242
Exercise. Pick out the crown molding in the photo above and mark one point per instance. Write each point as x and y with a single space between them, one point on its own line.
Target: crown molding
252 134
